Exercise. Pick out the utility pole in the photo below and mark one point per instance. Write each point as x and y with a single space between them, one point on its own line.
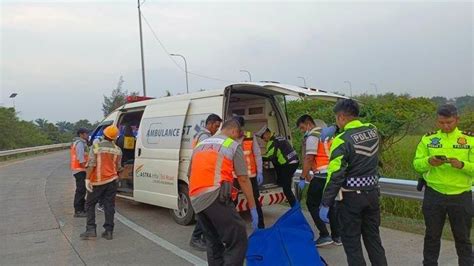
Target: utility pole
350 86
141 47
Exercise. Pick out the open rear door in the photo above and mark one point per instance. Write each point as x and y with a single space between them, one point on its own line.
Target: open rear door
283 89
157 154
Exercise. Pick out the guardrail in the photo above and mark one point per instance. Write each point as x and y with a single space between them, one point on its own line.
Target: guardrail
399 188
4 155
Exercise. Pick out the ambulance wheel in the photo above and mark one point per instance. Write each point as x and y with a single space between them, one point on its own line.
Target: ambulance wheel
184 215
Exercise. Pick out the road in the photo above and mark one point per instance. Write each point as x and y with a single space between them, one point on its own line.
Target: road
37 226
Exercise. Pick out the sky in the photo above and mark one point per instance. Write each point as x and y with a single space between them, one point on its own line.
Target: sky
61 57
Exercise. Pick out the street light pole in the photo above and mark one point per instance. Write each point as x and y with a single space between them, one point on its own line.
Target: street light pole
375 87
304 81
141 47
248 73
185 70
350 86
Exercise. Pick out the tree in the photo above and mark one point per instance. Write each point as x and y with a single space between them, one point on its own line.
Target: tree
41 123
83 123
117 99
65 126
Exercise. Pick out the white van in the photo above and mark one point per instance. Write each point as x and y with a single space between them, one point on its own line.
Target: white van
165 128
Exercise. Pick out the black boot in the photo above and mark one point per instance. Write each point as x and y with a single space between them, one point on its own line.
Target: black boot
198 244
107 235
88 234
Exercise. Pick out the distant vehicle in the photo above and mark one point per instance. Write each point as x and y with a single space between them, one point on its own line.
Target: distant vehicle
166 127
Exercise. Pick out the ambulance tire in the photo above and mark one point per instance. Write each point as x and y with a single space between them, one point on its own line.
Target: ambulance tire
185 214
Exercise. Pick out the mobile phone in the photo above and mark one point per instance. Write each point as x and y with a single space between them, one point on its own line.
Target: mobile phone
441 157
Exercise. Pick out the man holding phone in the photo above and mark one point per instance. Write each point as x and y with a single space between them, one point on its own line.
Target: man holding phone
446 160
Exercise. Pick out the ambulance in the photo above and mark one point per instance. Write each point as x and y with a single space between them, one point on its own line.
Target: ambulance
165 127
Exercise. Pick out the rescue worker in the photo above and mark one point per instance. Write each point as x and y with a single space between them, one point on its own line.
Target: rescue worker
126 143
210 187
79 155
213 123
253 157
315 151
284 159
101 182
353 170
446 160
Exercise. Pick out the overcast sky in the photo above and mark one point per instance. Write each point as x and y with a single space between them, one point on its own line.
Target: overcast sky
62 57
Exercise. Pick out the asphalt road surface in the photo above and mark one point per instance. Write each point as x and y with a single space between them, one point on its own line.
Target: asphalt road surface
37 226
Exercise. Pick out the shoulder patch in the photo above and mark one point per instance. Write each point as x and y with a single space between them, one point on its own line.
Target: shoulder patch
468 133
430 133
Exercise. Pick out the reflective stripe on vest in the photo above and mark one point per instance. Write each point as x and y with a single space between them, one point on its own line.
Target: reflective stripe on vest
105 169
198 136
212 164
75 164
247 147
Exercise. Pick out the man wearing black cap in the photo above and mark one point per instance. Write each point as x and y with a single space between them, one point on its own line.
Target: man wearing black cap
79 152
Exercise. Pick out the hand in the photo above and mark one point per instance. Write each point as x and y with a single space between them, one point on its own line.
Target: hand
323 214
254 214
89 186
456 163
259 178
301 184
435 161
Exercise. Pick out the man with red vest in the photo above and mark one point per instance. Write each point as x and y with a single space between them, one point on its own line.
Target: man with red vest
253 157
316 151
213 123
79 156
213 164
101 182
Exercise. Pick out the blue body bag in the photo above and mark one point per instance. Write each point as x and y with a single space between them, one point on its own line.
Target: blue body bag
288 242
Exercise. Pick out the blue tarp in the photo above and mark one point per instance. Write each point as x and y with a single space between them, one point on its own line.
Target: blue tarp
288 242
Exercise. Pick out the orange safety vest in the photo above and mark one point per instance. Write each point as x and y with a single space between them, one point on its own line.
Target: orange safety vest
212 163
247 147
75 164
321 160
107 159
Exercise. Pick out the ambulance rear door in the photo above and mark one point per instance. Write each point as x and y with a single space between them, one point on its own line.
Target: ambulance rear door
157 153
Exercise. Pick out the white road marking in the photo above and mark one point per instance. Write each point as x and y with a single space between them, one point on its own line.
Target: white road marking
160 241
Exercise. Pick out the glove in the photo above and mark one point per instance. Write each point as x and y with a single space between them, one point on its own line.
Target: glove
89 186
259 178
328 132
323 214
254 214
301 184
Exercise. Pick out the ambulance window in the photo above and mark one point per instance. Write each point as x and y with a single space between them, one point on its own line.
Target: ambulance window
255 110
239 112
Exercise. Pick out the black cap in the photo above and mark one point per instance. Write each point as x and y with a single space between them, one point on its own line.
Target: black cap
82 131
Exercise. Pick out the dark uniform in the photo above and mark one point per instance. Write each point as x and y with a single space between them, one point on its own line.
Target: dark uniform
285 159
353 169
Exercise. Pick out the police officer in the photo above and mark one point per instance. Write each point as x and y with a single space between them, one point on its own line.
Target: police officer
213 164
213 123
446 160
284 159
353 170
253 157
315 151
101 182
79 155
